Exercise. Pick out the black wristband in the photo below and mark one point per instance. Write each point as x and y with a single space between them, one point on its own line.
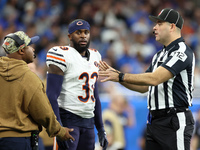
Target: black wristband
121 77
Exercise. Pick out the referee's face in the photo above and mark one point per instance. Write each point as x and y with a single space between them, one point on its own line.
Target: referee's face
162 32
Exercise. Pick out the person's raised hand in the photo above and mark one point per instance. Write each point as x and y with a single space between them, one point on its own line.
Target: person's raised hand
103 66
109 73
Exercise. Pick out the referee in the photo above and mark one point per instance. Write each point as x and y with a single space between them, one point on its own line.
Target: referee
169 82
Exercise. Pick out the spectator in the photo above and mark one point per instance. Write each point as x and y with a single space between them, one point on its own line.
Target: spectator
118 116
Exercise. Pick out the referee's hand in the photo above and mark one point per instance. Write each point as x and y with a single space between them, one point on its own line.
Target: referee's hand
109 73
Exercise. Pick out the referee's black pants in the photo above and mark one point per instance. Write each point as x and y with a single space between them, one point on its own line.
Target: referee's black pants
171 132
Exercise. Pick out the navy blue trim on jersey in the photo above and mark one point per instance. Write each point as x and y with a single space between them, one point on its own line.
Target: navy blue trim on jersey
55 54
56 62
87 54
179 59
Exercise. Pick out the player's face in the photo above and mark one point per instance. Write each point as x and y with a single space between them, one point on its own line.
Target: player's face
29 54
161 32
80 40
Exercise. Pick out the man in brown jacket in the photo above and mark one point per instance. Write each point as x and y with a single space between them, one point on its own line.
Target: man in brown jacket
24 106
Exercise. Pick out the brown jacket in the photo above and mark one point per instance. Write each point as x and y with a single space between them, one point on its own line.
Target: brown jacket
24 105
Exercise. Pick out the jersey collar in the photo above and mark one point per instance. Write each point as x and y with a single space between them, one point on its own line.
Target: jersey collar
174 43
87 54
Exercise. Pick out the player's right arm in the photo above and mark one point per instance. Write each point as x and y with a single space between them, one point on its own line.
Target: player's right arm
55 63
55 70
54 85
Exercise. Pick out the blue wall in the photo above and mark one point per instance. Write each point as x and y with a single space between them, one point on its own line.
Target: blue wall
140 105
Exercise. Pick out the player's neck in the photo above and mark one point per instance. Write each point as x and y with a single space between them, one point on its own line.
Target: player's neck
83 53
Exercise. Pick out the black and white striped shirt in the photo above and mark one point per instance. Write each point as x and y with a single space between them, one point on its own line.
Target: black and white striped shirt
179 59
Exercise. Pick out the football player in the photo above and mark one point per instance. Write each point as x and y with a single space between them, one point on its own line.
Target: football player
72 88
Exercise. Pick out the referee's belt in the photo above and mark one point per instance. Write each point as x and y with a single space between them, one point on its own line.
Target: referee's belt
167 112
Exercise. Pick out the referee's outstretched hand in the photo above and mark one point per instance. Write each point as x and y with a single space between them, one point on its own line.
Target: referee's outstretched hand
107 72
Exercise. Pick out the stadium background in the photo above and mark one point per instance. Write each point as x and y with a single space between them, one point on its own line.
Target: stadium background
120 30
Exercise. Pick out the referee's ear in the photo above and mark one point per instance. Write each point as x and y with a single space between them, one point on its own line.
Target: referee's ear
173 27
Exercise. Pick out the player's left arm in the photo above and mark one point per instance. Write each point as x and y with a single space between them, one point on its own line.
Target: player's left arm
98 120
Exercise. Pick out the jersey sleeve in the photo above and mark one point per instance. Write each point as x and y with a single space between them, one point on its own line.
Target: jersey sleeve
55 56
98 54
95 53
178 61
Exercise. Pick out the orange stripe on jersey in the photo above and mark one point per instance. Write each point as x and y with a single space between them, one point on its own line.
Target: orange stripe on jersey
55 145
56 58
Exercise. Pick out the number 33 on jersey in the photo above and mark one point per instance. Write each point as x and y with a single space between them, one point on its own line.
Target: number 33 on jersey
80 76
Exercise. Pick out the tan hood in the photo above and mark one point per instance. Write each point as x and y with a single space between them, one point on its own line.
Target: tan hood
12 69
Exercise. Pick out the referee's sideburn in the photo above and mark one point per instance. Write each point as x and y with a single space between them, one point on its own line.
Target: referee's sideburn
169 83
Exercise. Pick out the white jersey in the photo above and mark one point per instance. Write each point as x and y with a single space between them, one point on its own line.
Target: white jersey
80 75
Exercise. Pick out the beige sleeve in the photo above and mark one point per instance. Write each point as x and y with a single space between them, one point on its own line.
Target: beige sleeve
41 111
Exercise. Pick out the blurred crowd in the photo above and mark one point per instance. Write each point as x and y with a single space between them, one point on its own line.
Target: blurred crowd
120 29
